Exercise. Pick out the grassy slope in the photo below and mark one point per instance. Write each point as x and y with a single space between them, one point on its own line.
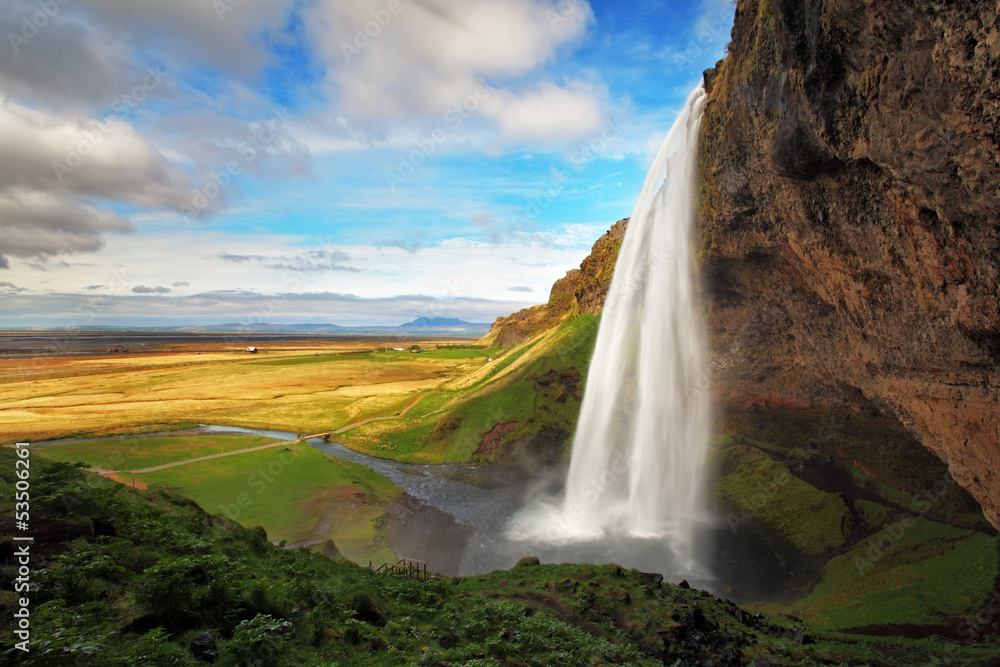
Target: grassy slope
295 492
891 561
905 574
129 577
752 484
449 424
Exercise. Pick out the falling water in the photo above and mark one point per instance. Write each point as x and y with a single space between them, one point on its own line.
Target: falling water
639 451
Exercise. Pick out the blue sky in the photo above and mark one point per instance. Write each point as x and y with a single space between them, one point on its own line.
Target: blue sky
345 161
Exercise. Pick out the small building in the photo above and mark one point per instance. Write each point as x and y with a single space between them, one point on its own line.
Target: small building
251 350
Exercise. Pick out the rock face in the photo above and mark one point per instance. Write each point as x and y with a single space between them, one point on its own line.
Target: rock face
582 290
851 216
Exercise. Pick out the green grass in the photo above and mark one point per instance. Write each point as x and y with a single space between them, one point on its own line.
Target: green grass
136 575
912 572
755 486
507 390
295 493
133 453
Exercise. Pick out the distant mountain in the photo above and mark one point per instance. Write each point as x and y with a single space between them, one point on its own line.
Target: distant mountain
421 326
436 322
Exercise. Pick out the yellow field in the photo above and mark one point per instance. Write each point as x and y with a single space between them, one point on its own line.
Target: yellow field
302 388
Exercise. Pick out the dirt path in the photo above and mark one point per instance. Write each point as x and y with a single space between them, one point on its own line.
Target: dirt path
399 415
215 456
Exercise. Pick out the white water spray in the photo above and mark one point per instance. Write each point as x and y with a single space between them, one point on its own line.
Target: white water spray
637 466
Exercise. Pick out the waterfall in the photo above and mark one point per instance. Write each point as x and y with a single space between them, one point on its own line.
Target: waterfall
638 455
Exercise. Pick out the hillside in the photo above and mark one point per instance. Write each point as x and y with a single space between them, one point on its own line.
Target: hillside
137 578
850 200
581 291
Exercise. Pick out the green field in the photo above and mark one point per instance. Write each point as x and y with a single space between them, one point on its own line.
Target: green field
139 574
295 492
141 452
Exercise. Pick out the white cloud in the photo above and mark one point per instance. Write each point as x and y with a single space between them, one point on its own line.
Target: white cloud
227 34
52 166
455 60
547 113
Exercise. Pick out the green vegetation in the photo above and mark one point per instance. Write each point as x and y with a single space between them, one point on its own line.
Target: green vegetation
892 561
914 571
296 492
135 453
753 485
133 577
534 388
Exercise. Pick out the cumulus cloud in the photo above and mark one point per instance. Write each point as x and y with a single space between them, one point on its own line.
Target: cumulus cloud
66 60
4 262
143 289
52 167
101 101
547 113
227 35
430 56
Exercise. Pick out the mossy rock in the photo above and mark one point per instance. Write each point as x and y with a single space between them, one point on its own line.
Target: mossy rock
756 487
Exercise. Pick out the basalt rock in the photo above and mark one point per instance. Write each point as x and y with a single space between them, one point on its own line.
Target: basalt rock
582 290
850 203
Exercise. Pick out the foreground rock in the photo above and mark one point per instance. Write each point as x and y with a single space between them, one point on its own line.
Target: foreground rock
850 205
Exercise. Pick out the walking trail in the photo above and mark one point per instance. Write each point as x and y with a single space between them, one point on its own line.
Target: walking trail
282 443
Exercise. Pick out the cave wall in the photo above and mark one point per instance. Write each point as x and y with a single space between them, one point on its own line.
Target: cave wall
850 203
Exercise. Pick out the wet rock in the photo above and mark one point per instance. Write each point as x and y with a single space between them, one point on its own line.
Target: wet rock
653 578
203 647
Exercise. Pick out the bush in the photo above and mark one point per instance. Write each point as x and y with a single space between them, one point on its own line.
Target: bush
258 642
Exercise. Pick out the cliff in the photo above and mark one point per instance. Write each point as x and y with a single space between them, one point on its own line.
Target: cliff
581 291
851 217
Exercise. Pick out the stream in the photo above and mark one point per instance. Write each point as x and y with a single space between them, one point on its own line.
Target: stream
463 520
468 520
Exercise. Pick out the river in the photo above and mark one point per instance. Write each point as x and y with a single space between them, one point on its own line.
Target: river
484 504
